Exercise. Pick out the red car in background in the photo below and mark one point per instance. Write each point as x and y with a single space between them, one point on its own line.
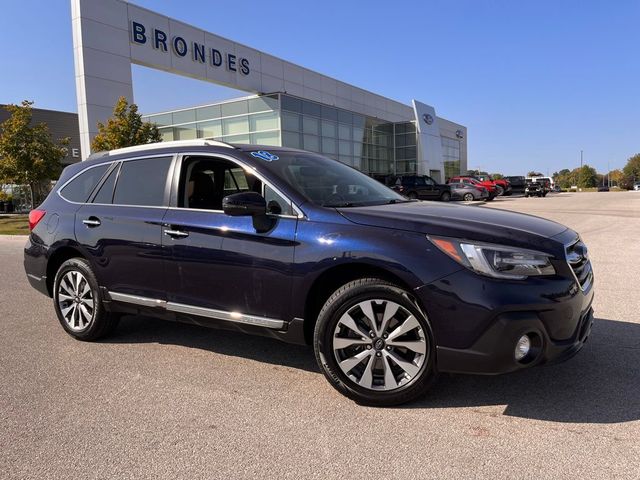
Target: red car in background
490 186
503 185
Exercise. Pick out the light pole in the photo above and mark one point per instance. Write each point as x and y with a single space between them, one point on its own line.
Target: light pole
580 172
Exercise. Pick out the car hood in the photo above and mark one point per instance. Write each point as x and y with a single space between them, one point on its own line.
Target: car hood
461 221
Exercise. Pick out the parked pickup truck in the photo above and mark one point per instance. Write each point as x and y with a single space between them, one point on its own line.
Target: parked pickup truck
518 184
502 184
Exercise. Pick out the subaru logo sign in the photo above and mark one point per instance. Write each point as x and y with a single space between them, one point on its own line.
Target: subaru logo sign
428 119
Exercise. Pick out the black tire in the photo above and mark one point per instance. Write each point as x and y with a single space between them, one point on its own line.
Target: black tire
500 190
490 199
445 197
347 297
468 197
101 322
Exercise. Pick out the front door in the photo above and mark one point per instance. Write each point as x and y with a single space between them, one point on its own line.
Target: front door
223 263
425 190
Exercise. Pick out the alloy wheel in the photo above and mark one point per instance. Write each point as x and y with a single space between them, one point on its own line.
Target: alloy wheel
380 345
75 300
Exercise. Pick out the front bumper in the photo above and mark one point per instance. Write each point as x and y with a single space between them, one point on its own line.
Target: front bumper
477 321
493 352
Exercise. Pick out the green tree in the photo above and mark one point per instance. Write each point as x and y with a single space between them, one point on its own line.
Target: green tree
534 174
616 177
497 176
586 176
124 129
28 154
632 168
563 178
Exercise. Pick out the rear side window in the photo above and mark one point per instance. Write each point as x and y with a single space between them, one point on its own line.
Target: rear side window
79 189
142 182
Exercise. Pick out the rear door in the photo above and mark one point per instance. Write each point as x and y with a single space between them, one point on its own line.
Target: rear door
431 190
220 264
120 228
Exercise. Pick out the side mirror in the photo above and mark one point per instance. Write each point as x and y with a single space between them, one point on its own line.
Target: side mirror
244 204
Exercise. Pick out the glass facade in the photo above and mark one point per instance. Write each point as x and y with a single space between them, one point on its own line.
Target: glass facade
366 143
451 157
253 120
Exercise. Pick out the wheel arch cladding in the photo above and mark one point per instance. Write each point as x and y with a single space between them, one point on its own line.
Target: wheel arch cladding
58 257
333 278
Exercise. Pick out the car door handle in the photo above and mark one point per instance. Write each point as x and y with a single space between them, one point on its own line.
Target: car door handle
176 233
91 222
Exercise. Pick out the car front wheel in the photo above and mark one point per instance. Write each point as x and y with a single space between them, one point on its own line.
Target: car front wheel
78 304
468 197
374 344
445 197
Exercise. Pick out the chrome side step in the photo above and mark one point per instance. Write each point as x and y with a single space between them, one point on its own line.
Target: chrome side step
235 317
135 299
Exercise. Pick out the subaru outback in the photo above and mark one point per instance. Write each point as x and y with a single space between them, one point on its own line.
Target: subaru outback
292 245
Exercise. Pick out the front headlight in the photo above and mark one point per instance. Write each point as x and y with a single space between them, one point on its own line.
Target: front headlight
496 261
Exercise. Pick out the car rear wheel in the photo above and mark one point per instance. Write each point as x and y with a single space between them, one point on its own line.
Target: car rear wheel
500 190
78 304
445 197
468 197
374 344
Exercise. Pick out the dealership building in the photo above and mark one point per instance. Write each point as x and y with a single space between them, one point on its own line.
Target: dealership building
288 105
61 125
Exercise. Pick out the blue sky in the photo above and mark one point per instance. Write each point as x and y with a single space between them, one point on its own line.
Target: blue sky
535 82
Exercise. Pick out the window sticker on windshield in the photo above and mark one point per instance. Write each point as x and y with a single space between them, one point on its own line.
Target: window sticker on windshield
266 156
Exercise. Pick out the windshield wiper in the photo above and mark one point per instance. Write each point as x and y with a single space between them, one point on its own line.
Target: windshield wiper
339 205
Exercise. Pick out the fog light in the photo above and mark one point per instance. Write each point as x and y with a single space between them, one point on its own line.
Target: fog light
523 346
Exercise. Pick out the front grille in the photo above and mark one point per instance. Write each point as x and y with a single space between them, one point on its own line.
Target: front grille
578 260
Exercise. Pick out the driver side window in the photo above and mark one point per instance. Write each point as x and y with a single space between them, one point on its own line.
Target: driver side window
204 182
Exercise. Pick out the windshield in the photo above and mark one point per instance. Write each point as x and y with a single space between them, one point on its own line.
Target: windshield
329 183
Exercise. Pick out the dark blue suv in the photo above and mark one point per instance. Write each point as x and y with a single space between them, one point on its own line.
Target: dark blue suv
293 245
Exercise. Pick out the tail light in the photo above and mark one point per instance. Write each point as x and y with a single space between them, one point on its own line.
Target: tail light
34 218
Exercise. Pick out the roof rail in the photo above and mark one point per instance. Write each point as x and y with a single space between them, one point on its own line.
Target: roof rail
199 142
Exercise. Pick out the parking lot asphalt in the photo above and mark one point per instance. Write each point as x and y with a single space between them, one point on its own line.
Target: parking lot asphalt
163 400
